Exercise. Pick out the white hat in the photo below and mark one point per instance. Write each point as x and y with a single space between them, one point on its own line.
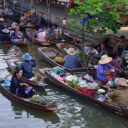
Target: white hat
5 30
105 59
71 51
14 25
101 90
122 82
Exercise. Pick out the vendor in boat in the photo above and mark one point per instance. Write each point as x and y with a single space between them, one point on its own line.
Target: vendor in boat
41 36
119 96
17 35
18 87
1 24
105 71
34 19
27 65
5 35
71 60
102 50
121 45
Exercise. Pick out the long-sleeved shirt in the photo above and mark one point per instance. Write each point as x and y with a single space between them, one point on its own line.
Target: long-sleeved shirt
101 71
71 62
27 67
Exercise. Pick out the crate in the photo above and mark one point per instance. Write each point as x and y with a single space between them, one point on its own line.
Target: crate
89 92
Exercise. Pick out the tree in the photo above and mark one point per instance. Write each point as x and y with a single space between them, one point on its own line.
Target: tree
105 12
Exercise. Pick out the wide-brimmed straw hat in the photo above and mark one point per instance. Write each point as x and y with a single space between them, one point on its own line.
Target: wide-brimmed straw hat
71 51
121 82
27 56
105 59
5 30
1 19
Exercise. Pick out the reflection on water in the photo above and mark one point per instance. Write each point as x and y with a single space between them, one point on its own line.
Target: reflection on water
72 113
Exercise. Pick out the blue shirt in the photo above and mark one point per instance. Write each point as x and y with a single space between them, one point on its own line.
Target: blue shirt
27 67
101 71
72 62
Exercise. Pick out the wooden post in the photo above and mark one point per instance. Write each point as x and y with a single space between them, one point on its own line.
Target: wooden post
48 12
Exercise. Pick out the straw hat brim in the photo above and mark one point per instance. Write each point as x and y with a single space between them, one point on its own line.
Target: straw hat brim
105 60
71 52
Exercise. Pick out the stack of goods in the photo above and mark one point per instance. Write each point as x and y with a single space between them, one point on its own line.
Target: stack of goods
60 60
84 83
39 100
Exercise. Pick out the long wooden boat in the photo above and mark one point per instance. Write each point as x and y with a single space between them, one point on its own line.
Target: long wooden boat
7 93
64 46
6 42
30 82
34 40
19 43
49 54
23 26
108 105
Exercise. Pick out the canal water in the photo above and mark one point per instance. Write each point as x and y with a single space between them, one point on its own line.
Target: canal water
73 112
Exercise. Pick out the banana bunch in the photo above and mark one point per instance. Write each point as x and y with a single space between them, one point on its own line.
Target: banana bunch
60 59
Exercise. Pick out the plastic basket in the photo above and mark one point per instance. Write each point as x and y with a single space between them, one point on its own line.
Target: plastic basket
89 92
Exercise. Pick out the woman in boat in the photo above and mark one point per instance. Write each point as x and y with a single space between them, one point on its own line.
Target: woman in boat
18 87
119 96
105 71
71 60
17 35
121 45
27 66
5 35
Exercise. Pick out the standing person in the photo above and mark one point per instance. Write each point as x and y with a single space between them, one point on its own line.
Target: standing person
34 19
105 71
27 66
71 60
121 45
18 87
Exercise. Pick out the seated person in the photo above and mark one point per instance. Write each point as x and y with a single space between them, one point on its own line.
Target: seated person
27 66
5 35
105 70
34 19
71 60
18 87
17 35
101 51
119 96
41 36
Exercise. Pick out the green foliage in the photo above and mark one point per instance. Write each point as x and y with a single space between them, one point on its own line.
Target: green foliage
102 12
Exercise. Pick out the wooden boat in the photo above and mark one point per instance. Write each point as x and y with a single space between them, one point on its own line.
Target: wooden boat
108 105
23 26
30 82
19 43
34 40
6 42
64 46
7 93
49 54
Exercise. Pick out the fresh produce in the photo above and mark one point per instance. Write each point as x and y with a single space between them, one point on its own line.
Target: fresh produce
60 59
39 100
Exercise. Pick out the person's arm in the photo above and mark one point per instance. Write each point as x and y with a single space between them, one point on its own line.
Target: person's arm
34 62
